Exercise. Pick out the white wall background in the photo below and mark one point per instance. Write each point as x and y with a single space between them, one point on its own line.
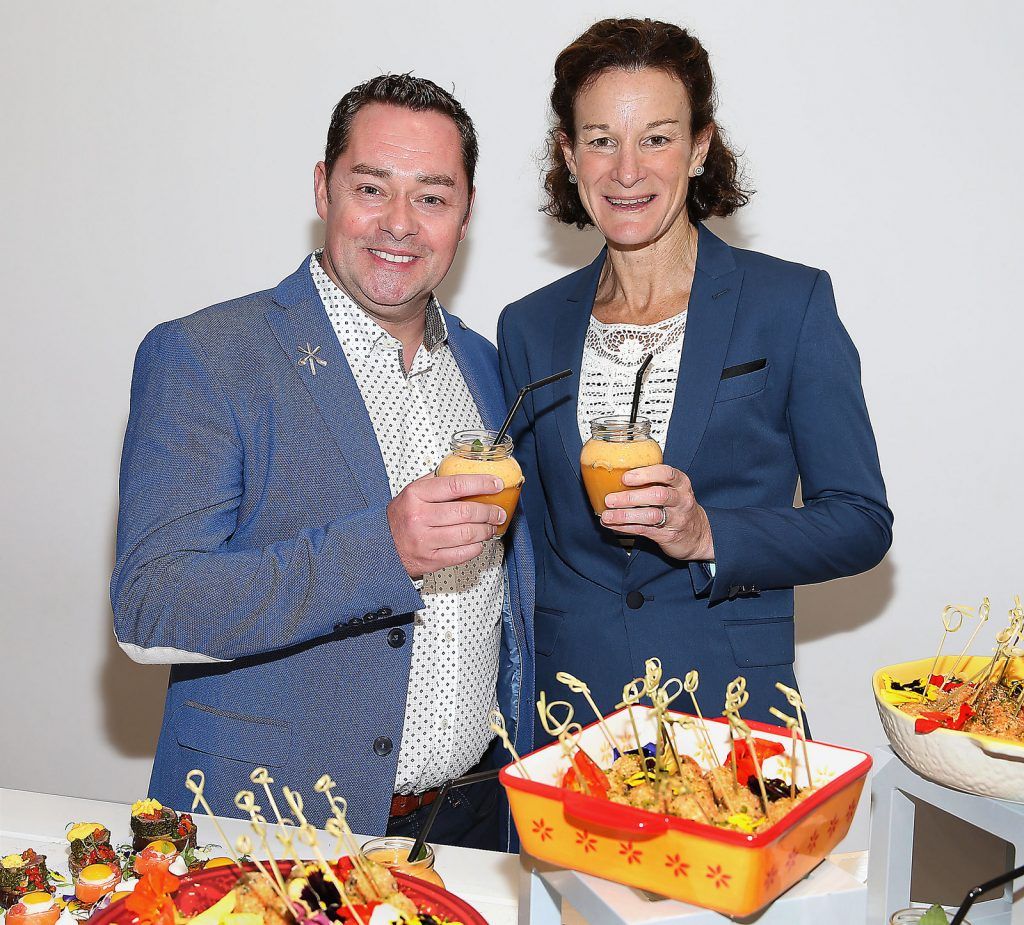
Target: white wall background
157 157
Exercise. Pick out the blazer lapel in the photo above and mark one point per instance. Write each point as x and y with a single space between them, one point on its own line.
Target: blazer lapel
302 320
570 332
709 322
481 382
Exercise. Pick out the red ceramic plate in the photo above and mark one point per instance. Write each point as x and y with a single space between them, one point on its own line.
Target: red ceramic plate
201 890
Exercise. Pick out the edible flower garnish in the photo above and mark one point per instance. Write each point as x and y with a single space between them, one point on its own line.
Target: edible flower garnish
151 900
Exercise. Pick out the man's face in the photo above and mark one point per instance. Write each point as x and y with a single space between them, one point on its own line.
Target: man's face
396 207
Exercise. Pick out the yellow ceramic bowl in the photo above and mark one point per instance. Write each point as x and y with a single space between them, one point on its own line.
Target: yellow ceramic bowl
728 871
962 760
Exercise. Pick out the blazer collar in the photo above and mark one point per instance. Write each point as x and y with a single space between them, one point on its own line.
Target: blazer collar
299 320
711 310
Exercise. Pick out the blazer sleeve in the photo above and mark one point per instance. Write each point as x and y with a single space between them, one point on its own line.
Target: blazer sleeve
845 525
179 593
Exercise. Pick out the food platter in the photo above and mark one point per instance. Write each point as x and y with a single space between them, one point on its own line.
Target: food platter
967 761
201 890
732 872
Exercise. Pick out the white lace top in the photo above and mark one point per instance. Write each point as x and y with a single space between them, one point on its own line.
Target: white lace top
612 353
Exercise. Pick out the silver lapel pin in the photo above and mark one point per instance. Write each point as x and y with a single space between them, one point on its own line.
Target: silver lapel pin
310 358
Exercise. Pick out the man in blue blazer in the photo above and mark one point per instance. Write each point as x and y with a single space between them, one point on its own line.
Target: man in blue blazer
326 604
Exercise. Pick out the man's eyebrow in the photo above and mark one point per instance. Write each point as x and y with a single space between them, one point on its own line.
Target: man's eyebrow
436 179
380 173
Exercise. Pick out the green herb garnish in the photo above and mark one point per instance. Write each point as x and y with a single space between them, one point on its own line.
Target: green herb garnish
478 444
935 915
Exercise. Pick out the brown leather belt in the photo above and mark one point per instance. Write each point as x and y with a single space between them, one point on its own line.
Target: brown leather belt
404 803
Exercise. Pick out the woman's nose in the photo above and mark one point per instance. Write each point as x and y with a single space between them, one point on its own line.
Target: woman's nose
627 168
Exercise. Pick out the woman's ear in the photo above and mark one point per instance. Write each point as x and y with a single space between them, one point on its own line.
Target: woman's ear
701 146
567 153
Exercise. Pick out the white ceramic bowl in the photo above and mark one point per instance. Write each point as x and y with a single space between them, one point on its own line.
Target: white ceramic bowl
963 760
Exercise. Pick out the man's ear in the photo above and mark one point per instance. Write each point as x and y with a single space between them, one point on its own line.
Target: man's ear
321 193
469 214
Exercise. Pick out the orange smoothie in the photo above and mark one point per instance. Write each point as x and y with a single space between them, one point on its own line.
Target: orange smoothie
473 454
392 852
615 447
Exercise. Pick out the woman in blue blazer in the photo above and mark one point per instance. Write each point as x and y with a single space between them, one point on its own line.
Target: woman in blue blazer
754 384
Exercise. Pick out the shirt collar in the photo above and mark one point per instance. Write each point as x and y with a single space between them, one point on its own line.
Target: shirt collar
359 332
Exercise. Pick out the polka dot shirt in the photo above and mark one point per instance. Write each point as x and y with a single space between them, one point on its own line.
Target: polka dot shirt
457 636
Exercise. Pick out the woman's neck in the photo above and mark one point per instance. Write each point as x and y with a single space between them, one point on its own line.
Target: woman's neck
647 284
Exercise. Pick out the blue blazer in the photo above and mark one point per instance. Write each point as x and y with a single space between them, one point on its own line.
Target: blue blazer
254 556
768 390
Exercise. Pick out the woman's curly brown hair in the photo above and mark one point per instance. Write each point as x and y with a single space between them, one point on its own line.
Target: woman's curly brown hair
633 45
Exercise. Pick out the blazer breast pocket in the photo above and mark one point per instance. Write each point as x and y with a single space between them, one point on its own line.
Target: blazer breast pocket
256 740
547 626
743 380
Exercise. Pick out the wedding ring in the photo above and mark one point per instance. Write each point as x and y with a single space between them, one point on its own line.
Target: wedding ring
664 518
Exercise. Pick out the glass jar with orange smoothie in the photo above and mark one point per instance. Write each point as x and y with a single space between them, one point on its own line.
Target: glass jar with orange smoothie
392 851
474 452
616 445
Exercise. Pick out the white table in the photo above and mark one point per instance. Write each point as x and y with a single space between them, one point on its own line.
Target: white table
487 880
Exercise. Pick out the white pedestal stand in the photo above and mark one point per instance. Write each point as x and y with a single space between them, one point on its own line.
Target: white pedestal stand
827 895
892 839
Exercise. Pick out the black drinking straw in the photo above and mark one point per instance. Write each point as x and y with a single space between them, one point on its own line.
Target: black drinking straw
417 846
522 394
975 892
639 383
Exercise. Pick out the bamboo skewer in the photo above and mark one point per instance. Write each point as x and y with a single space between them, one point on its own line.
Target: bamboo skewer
195 781
579 687
497 723
631 695
690 685
794 699
245 800
261 777
983 612
790 722
948 613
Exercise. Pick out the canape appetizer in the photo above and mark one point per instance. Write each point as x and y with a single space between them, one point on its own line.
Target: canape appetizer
21 874
152 821
95 881
90 844
35 908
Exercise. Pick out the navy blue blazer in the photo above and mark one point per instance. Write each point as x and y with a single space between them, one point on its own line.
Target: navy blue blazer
793 408
254 556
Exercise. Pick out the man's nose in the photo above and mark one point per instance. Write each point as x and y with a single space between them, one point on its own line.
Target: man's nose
399 219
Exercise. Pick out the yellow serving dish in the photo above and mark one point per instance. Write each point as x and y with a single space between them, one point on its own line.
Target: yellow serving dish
731 872
968 761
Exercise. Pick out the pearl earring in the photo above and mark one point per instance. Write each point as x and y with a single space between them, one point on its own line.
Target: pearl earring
698 170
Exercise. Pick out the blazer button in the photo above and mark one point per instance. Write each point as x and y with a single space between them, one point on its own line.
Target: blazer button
396 638
634 600
383 746
384 611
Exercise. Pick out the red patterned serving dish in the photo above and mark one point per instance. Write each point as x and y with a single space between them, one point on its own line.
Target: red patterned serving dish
200 891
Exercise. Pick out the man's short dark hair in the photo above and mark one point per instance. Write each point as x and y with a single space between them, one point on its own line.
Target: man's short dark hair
415 93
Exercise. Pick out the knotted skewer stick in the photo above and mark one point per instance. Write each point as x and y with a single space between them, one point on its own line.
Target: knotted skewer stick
736 722
261 777
560 729
794 699
790 722
662 699
195 781
690 685
497 723
952 620
1004 649
339 809
983 612
579 687
736 697
245 800
308 834
1017 626
244 845
631 696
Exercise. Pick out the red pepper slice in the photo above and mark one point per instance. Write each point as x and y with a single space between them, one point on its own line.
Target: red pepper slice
589 771
764 748
343 867
930 721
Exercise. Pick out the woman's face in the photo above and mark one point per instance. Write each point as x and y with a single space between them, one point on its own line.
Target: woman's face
633 155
